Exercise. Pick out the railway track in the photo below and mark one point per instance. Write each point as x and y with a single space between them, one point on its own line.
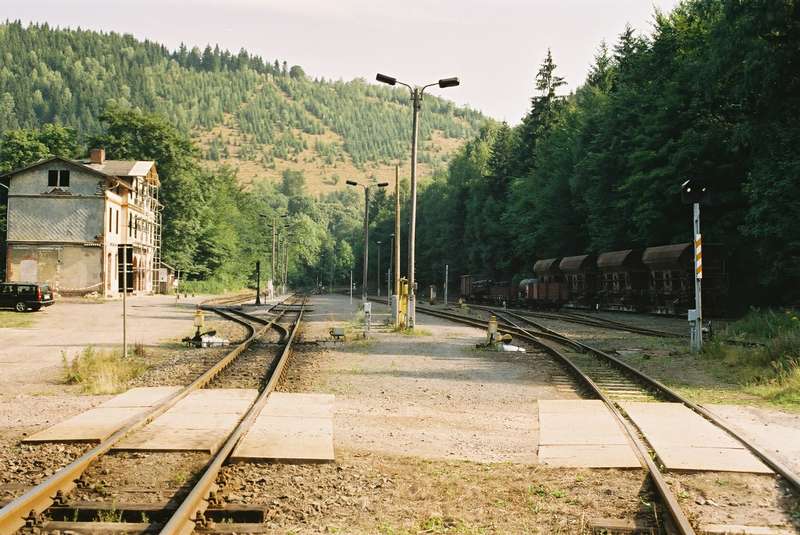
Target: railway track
612 381
30 509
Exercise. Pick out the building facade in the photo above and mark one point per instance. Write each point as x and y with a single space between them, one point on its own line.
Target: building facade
70 224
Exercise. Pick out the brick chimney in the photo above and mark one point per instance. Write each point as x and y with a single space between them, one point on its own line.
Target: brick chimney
97 156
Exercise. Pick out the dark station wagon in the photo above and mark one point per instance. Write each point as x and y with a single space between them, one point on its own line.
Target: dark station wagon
22 296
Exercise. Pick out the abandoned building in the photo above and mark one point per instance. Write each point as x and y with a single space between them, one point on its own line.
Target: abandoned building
70 221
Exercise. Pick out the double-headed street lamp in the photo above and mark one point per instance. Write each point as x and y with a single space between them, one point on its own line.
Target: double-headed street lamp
416 100
366 231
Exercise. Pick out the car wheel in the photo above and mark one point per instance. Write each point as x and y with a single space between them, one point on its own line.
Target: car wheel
21 307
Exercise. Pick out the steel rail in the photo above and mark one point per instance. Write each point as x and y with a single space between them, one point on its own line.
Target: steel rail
583 319
769 459
676 513
37 499
190 512
263 321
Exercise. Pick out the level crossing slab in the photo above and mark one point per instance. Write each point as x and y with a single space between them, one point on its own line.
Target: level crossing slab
101 422
199 422
582 433
291 427
684 440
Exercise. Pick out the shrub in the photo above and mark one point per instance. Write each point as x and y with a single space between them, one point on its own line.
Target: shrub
102 372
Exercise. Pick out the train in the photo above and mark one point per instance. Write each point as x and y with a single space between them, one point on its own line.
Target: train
657 280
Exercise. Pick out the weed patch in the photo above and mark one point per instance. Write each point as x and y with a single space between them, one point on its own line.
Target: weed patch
15 320
103 372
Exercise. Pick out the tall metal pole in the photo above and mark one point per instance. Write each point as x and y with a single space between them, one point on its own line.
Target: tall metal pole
698 279
396 247
351 286
446 273
258 282
416 96
125 285
274 246
390 277
366 245
286 264
379 268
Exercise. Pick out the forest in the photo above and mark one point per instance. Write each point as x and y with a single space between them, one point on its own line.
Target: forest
255 111
712 93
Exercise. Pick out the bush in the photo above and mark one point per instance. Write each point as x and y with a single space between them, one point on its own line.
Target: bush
103 372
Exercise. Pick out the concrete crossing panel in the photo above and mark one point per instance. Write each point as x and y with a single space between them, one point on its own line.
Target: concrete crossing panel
684 440
290 428
199 422
101 422
582 433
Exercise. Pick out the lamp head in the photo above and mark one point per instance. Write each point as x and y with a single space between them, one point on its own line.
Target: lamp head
382 184
390 80
351 183
449 82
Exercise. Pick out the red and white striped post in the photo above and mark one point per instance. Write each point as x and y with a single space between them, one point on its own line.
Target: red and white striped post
697 331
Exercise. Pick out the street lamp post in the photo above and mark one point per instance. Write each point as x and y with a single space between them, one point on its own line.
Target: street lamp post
366 232
379 267
416 100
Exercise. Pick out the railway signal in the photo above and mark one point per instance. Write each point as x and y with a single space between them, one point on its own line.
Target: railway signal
695 191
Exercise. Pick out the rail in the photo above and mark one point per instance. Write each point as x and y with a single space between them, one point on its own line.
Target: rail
190 512
36 500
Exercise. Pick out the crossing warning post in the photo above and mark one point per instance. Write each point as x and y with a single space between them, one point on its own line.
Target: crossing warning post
693 192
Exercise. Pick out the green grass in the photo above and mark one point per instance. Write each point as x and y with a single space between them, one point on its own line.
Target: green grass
103 372
770 372
16 320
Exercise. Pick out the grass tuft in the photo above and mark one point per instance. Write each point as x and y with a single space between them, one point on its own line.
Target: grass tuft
103 372
15 320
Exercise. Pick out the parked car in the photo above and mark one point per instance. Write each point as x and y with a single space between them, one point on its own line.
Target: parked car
22 296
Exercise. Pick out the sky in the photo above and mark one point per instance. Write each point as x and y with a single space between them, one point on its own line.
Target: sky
494 46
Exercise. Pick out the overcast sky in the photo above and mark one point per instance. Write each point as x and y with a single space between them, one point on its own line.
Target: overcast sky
494 46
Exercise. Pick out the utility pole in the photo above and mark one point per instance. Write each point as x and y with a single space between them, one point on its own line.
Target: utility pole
366 233
351 286
274 248
258 282
446 273
389 276
379 267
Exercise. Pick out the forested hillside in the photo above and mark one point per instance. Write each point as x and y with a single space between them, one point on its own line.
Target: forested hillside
712 93
258 116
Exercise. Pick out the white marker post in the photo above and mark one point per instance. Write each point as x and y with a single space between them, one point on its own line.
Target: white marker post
446 273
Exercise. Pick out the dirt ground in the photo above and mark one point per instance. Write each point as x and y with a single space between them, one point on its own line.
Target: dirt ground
433 396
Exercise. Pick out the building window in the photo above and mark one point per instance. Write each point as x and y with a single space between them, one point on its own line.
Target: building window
58 178
116 221
110 213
